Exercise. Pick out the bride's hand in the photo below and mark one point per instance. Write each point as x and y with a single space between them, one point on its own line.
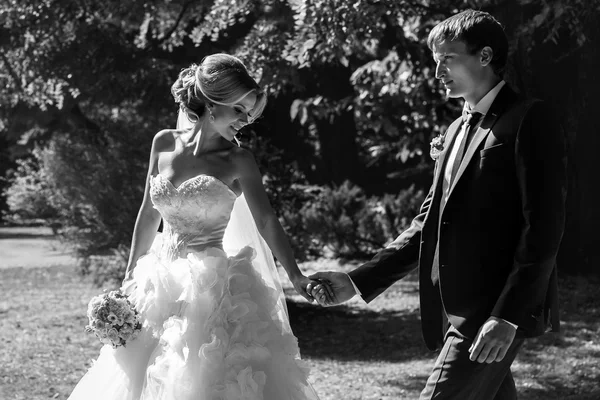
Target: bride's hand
300 284
128 284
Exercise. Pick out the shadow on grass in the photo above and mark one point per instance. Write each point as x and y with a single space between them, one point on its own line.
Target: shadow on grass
579 315
569 337
6 233
563 365
344 333
557 392
409 384
553 366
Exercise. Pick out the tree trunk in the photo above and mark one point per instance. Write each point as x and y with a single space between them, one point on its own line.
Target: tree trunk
339 151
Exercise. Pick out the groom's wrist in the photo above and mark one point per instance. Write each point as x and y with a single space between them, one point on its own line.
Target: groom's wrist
354 286
508 322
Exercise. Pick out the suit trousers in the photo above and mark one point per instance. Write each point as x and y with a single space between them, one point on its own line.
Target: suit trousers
455 377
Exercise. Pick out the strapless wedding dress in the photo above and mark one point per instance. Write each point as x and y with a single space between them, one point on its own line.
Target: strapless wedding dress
211 328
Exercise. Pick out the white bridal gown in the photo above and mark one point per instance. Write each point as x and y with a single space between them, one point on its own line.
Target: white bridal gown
212 328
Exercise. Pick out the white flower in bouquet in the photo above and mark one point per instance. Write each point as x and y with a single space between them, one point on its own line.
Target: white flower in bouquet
126 330
113 319
97 324
113 335
129 317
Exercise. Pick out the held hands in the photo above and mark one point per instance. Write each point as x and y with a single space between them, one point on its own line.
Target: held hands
331 288
492 342
301 284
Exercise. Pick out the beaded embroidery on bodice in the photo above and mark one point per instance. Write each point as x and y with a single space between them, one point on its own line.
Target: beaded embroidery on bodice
195 214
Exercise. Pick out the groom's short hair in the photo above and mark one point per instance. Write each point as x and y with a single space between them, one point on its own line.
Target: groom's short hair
476 29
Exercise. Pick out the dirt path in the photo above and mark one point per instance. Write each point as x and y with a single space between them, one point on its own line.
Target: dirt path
31 247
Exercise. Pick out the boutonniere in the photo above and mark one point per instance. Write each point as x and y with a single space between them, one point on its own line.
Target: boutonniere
436 146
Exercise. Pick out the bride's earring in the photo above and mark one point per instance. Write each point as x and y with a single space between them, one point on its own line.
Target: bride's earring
211 117
237 141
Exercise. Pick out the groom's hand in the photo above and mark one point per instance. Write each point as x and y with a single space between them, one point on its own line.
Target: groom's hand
335 289
492 341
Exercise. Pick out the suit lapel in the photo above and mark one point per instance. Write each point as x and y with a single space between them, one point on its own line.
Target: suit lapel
478 137
448 143
505 97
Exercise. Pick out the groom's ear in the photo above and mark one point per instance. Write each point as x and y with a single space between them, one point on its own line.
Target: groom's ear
486 56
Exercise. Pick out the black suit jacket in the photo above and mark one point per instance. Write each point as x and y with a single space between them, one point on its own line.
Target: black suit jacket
499 230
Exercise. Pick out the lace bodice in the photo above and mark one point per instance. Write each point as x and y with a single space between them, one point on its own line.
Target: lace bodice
195 214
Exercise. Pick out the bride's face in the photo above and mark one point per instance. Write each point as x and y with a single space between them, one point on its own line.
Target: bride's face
230 119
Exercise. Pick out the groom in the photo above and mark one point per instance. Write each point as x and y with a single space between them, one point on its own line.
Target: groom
487 235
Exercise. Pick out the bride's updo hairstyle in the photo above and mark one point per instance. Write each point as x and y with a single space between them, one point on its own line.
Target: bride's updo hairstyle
219 79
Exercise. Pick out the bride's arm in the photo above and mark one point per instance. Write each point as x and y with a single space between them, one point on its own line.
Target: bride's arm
148 218
268 225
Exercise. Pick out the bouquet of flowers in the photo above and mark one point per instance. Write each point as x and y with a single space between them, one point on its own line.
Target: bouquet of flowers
113 319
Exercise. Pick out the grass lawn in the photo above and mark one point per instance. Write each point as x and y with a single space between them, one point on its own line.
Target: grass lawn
356 351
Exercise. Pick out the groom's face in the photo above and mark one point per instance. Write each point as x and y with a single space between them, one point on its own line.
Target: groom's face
460 71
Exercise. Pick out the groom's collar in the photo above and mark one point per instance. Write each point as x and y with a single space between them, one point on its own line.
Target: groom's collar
483 106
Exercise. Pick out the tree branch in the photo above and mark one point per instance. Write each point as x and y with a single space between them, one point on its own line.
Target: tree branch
174 28
12 72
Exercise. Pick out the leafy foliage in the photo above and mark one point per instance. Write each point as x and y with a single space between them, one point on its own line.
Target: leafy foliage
352 89
288 46
86 184
344 222
29 195
559 17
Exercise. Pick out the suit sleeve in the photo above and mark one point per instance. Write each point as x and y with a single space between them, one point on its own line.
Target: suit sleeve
540 157
395 261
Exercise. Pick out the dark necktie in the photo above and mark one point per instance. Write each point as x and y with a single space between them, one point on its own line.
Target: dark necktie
470 119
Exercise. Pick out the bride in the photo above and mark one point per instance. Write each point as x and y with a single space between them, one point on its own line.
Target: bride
215 324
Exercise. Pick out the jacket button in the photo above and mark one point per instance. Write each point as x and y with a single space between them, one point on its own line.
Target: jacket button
443 265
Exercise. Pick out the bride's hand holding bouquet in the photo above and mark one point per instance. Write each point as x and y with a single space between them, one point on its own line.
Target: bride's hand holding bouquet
113 319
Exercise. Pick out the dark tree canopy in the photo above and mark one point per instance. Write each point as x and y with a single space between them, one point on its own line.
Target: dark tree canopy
352 92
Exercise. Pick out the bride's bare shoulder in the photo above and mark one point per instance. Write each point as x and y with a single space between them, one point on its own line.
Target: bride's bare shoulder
241 155
165 140
243 159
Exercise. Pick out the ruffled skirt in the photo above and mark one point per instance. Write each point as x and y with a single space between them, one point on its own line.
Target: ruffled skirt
211 331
